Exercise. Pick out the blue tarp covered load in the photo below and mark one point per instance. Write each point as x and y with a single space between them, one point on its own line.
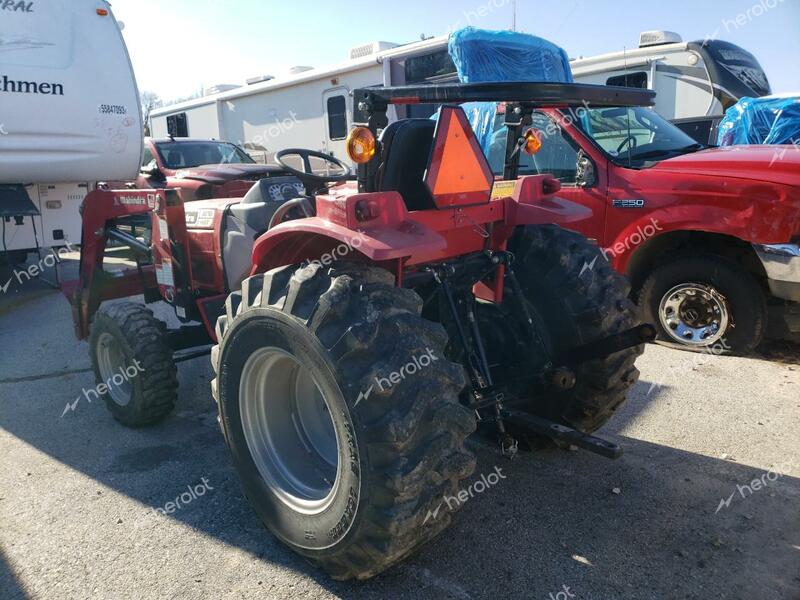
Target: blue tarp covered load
767 120
480 56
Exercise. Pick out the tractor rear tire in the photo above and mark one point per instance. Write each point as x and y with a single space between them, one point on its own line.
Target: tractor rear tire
128 342
576 298
345 450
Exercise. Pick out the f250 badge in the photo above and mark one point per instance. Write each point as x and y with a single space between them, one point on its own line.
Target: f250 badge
16 5
628 203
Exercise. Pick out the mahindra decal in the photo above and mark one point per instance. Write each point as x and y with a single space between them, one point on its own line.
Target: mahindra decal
16 6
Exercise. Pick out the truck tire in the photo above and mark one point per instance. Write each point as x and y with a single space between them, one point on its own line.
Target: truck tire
705 304
574 297
131 358
344 458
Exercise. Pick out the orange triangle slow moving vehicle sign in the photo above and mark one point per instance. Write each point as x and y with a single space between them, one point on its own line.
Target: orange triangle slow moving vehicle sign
458 173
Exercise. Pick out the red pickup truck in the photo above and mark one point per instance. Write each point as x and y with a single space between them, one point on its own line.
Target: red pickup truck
708 236
200 168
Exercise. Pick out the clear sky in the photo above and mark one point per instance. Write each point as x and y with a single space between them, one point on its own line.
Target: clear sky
177 46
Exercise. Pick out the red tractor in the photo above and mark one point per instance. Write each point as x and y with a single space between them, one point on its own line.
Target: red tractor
362 330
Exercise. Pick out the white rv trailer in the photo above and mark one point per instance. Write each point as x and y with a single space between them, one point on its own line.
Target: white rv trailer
69 117
312 108
695 82
309 108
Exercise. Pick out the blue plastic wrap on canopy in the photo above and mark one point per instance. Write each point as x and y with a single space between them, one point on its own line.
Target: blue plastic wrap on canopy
480 55
767 120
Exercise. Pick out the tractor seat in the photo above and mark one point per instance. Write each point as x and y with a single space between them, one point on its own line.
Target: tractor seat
406 149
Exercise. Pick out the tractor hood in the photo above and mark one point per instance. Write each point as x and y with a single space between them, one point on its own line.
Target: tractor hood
218 174
774 164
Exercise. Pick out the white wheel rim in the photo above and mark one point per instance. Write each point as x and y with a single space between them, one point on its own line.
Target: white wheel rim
111 361
289 431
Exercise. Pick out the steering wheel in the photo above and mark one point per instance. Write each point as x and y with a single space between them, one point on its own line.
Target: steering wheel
628 140
307 175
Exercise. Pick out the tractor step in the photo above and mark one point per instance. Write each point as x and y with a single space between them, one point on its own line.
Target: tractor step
562 433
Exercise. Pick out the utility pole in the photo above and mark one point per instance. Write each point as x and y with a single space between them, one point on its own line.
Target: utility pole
513 15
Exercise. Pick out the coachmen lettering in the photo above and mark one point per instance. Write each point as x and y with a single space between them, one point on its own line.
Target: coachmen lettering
11 86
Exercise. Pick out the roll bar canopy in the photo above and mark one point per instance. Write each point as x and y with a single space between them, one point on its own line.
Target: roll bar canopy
534 94
370 108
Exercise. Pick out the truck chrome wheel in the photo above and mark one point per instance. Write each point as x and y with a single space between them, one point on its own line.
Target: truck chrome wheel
110 362
289 430
694 314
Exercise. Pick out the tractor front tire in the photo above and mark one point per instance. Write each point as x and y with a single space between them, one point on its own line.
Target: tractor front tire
576 298
133 365
341 413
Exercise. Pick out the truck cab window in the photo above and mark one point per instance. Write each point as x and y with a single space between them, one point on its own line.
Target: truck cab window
337 117
147 157
558 155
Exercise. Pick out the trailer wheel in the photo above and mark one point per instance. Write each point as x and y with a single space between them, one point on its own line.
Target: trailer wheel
576 298
705 304
133 365
343 461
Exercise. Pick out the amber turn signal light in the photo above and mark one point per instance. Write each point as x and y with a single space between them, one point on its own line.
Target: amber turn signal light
533 142
360 145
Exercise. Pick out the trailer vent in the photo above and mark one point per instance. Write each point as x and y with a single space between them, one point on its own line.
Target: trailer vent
259 79
300 69
371 48
657 38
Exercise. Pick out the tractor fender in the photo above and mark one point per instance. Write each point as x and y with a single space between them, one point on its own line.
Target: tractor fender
318 239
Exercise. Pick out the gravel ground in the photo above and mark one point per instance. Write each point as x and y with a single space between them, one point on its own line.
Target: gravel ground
77 492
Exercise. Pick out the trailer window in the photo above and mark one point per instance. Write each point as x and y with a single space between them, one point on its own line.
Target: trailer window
337 118
631 80
177 125
430 68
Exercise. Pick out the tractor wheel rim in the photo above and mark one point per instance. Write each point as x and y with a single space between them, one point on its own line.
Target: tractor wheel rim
111 362
695 314
289 431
